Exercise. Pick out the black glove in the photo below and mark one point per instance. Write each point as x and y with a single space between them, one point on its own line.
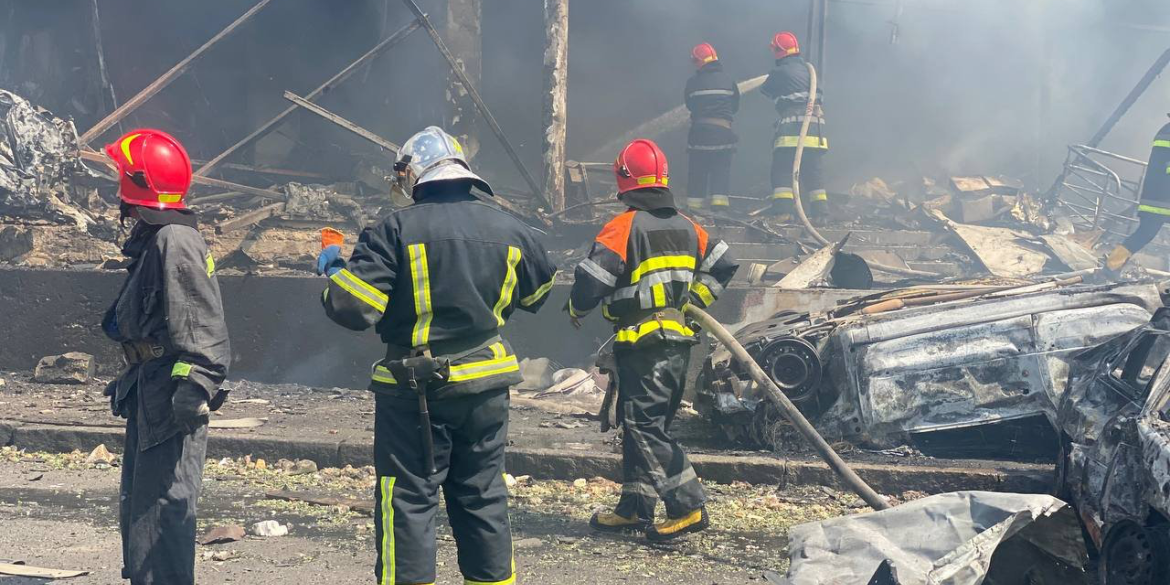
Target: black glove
189 403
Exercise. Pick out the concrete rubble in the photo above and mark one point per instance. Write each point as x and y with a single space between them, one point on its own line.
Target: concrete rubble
70 368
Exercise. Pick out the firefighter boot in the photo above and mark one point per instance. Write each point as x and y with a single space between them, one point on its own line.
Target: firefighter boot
692 521
611 522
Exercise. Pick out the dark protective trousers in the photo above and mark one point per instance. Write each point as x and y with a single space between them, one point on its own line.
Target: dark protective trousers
157 505
469 434
812 182
709 173
650 387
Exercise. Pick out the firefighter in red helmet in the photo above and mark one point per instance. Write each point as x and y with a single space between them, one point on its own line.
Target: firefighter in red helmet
168 318
787 86
643 268
713 99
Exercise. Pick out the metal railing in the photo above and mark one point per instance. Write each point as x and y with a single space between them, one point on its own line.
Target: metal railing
1096 190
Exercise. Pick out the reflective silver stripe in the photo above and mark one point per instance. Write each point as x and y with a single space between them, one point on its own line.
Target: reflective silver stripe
648 281
792 119
713 257
800 95
720 147
656 472
700 92
675 482
596 271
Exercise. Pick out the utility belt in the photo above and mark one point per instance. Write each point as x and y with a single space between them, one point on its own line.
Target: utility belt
721 122
140 352
659 326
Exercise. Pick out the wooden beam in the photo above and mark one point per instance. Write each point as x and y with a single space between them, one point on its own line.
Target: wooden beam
166 78
554 114
464 37
249 219
308 105
341 76
479 103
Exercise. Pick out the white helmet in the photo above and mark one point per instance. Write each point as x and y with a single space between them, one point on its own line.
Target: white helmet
430 156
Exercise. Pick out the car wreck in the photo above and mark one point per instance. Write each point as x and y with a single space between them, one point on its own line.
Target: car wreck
1114 464
968 372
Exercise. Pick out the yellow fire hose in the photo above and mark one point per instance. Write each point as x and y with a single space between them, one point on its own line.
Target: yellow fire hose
789 410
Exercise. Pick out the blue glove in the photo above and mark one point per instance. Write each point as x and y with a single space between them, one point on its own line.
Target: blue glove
330 261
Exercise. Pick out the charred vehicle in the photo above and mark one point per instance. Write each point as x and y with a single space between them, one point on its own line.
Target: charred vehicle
973 372
1115 452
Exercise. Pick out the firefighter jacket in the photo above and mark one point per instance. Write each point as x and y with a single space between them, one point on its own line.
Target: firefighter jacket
713 100
444 274
169 316
1155 198
787 86
648 259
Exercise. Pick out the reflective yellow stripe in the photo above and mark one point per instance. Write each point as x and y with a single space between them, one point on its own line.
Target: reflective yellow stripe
573 312
360 289
658 291
819 196
783 194
387 529
508 286
652 179
540 292
507 581
500 363
181 370
126 147
210 262
421 278
1162 144
1154 210
170 197
703 292
661 263
630 335
605 313
809 142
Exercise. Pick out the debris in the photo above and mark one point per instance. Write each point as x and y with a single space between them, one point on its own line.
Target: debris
363 506
223 535
1070 252
1002 251
70 368
875 189
537 372
250 401
100 455
269 528
220 555
237 423
38 572
510 481
529 543
261 464
303 466
814 270
580 482
948 538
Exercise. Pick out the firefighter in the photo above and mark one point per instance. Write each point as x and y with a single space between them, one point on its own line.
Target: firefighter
643 268
169 319
787 86
1153 205
437 279
713 99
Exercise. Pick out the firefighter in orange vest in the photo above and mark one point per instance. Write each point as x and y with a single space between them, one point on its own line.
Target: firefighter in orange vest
644 267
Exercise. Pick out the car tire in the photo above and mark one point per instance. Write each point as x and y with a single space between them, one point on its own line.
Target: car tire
1133 554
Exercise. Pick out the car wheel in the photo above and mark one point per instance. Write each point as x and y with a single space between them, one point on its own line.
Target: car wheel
1134 555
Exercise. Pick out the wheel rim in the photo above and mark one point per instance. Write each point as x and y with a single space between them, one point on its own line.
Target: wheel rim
1129 557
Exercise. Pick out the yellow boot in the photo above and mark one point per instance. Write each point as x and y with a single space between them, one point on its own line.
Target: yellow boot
611 522
1117 258
692 521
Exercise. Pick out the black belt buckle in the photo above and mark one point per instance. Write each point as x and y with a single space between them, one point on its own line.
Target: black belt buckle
417 373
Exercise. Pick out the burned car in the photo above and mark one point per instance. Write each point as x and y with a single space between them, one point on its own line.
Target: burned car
1114 464
957 373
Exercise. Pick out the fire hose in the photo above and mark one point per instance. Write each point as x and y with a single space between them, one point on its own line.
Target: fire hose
808 226
788 409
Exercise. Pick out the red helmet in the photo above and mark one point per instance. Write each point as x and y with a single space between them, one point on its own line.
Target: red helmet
154 169
641 165
784 44
702 54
